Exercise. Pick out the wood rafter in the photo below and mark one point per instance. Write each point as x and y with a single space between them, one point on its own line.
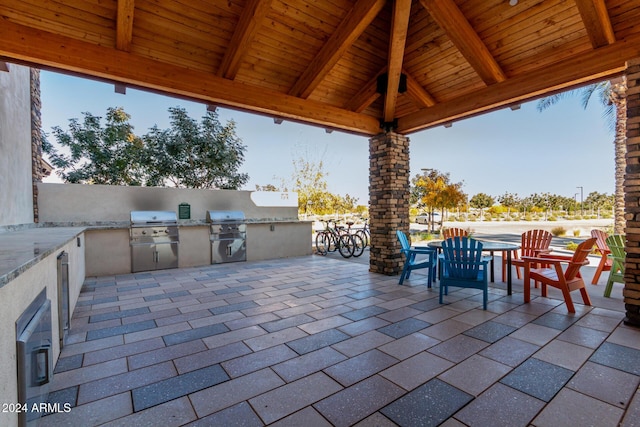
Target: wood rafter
449 17
252 16
581 69
354 24
596 20
399 27
369 93
63 53
366 95
124 24
418 93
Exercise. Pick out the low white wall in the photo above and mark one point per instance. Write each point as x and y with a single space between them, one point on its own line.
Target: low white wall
16 297
72 203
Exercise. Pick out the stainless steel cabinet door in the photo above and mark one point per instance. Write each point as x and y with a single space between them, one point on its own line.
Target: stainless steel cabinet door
143 257
166 255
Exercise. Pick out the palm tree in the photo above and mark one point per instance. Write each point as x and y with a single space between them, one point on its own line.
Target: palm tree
613 95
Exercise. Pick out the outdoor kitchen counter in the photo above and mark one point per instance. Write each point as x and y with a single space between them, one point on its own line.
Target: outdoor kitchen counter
22 249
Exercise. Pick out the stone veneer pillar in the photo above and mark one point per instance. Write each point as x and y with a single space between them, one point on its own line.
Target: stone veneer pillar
36 138
631 292
388 200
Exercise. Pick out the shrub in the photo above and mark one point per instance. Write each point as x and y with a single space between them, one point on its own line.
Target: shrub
552 218
576 232
571 246
558 231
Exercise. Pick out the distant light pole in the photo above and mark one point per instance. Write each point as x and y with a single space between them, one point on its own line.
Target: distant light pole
581 202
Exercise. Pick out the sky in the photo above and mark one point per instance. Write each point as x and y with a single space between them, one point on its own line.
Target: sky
523 152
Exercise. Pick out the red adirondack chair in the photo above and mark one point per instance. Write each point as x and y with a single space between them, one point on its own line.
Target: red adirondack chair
551 273
533 243
603 248
450 233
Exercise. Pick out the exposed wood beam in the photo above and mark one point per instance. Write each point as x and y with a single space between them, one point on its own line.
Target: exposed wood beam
367 94
353 24
124 24
581 69
399 26
596 20
252 16
4 66
418 93
34 46
449 17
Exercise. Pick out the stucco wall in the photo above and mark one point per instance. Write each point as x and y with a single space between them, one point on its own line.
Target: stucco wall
64 203
15 147
17 295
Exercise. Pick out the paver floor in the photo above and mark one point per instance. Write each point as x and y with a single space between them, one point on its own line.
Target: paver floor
315 341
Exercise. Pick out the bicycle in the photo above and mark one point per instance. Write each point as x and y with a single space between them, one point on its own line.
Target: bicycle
358 242
365 234
331 239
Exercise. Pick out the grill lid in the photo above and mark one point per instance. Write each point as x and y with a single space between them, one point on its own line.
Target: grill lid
153 218
225 216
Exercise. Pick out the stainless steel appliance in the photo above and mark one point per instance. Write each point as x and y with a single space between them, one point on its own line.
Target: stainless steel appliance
154 240
63 297
228 235
34 358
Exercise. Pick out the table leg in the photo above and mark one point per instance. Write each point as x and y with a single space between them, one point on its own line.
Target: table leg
492 276
508 272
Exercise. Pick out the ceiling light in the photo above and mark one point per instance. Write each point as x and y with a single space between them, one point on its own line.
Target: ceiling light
513 2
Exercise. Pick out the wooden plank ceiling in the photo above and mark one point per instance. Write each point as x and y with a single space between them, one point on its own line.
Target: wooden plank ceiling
354 65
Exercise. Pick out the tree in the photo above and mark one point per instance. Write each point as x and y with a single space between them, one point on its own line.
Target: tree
195 155
434 190
612 95
481 201
509 201
110 155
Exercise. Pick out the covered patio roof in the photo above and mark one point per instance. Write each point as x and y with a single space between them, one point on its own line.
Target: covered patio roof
329 63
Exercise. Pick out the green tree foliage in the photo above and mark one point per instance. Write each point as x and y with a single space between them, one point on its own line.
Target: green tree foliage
111 155
481 201
509 201
195 155
597 200
189 154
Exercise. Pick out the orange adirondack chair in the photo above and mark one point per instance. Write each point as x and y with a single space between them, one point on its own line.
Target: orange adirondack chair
603 248
450 233
551 273
533 243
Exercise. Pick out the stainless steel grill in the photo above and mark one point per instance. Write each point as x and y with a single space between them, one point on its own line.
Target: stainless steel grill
228 235
154 240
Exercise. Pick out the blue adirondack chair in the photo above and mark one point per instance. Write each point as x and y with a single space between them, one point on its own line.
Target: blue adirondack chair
464 266
413 263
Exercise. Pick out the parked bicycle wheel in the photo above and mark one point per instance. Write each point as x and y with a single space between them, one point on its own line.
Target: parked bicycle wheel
323 240
358 245
345 245
364 236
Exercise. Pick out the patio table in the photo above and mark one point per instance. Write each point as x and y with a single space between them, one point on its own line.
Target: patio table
490 246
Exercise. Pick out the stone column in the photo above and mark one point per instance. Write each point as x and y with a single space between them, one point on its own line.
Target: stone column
388 200
36 138
631 292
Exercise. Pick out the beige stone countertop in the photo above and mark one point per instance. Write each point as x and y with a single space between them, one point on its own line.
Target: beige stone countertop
22 249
